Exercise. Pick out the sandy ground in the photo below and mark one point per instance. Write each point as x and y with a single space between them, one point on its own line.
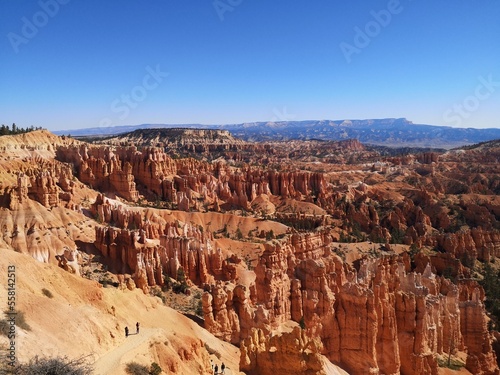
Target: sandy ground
83 319
111 361
447 371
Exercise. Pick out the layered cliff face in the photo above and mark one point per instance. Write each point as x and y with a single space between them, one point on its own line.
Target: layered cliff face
411 216
381 318
40 198
50 183
184 182
156 249
101 169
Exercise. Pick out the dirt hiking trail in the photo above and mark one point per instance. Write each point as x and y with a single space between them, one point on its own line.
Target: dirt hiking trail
111 361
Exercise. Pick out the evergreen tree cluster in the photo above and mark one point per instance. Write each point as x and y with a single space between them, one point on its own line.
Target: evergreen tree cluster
14 129
491 285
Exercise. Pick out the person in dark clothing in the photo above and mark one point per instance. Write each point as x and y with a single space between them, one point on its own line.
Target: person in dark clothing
216 369
222 368
126 331
137 327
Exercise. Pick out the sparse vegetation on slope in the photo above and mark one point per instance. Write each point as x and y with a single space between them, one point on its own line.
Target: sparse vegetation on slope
14 129
491 285
54 366
134 368
47 293
19 319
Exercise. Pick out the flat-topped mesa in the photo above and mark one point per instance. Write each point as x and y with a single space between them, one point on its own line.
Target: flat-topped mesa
180 139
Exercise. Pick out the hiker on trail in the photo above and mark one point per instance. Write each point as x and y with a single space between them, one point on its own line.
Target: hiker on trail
216 369
137 327
126 331
222 368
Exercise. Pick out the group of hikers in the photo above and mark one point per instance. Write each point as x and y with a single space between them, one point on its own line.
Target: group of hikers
136 329
216 368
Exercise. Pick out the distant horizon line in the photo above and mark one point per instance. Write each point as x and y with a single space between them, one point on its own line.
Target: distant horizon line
262 122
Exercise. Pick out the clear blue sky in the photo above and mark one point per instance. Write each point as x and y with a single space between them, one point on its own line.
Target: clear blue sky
68 64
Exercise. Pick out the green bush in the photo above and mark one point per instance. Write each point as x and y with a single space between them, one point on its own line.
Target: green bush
47 293
155 369
20 320
54 366
158 292
133 368
414 250
199 308
491 285
451 363
302 323
397 236
181 285
4 327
